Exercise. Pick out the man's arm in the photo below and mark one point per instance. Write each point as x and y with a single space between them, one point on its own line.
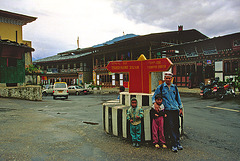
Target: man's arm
178 99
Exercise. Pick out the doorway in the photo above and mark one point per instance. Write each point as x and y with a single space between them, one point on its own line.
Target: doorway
209 72
199 76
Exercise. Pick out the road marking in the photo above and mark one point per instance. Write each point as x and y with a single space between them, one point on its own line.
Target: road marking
220 108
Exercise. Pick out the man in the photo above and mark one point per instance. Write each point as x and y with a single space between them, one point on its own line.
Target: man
173 108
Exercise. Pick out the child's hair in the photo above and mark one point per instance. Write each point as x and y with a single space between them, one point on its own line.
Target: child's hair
133 99
158 96
122 88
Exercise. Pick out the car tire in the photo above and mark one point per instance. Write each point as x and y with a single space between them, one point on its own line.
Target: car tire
77 93
54 97
44 94
66 97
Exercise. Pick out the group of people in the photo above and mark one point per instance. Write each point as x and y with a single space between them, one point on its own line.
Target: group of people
167 106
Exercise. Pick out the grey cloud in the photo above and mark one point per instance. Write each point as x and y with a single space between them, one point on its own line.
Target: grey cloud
213 18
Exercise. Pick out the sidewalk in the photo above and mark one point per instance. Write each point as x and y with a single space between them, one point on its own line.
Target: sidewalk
190 91
116 90
184 90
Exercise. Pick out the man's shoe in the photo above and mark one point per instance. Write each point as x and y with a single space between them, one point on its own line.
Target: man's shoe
180 147
137 145
134 144
174 149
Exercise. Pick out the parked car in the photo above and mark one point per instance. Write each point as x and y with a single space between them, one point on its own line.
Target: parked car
48 90
77 90
60 89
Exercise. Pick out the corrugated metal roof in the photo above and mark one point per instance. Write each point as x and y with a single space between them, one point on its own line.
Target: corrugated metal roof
61 57
187 35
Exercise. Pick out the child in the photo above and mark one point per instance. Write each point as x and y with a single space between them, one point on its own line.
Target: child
134 114
157 114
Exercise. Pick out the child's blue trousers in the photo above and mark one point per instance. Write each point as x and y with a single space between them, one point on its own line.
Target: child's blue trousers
135 131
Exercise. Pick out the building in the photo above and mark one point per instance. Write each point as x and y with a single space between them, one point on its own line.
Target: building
89 64
15 52
205 59
73 67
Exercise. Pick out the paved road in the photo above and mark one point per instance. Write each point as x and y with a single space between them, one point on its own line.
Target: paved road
55 130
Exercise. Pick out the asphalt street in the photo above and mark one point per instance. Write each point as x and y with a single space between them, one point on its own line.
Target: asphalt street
72 129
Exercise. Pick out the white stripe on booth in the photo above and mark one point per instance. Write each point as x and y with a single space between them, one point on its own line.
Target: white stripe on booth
114 121
106 119
147 125
124 122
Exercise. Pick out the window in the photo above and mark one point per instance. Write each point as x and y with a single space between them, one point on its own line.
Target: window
71 66
236 42
178 70
187 69
125 78
227 67
183 70
11 62
235 66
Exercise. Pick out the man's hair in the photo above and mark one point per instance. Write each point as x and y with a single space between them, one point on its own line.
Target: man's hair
158 96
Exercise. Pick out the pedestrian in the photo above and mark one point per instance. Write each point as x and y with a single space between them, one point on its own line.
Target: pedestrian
173 109
157 114
190 80
134 115
121 89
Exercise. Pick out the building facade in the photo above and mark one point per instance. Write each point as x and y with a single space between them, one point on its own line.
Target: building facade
89 64
205 59
15 52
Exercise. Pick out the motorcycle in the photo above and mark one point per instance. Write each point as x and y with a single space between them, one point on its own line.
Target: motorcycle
209 90
226 91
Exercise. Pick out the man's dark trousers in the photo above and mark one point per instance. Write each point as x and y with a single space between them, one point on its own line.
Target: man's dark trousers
172 126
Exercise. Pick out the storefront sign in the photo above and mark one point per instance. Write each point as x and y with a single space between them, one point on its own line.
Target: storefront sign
209 61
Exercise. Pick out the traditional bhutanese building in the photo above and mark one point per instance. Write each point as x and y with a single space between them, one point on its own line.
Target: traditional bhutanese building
15 52
204 59
89 64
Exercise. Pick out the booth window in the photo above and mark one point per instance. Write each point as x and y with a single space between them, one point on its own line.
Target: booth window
11 62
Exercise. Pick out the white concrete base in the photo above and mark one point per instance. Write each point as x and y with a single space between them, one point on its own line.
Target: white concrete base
115 120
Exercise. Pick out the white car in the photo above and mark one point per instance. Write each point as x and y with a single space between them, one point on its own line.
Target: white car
60 89
48 90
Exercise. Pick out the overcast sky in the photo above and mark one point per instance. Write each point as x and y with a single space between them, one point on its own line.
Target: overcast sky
60 22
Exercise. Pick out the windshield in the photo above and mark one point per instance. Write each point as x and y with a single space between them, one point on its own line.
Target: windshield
60 85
